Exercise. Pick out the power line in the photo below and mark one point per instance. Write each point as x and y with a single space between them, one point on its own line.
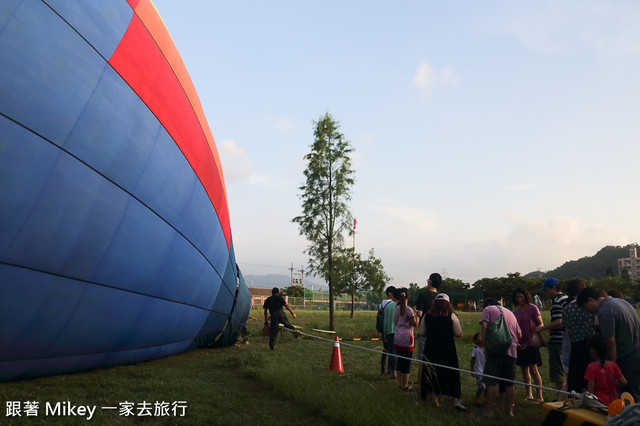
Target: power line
263 266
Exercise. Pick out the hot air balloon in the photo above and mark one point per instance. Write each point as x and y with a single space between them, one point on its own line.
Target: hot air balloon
115 240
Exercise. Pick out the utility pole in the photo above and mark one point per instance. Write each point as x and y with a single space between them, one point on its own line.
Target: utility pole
291 269
297 276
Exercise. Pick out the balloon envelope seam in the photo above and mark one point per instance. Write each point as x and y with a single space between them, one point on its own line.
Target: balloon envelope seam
115 241
113 287
138 95
62 149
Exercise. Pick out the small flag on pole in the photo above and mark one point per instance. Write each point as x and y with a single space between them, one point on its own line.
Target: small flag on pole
355 222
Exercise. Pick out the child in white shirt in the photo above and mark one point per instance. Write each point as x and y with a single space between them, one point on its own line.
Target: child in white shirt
477 364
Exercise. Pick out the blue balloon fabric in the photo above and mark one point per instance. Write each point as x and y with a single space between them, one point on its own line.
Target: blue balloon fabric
112 248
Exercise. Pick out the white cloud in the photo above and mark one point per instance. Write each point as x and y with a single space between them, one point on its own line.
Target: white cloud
412 243
238 168
235 165
529 245
231 150
427 78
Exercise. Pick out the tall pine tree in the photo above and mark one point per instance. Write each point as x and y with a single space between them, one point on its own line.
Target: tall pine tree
325 196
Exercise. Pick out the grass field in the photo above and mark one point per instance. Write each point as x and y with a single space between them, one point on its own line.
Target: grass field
250 384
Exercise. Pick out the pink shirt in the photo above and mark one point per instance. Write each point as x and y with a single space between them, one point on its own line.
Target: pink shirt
527 321
403 337
492 313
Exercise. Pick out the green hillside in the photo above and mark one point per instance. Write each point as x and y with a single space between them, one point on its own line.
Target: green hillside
590 267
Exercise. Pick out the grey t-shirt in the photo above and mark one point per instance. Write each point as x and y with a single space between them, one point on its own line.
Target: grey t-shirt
617 318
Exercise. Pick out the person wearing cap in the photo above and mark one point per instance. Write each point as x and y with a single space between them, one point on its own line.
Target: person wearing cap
274 305
551 288
441 326
620 327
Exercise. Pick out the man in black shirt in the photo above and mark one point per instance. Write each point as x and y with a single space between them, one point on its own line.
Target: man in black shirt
425 300
274 305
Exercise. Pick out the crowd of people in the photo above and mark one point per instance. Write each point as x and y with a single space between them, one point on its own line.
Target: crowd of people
593 344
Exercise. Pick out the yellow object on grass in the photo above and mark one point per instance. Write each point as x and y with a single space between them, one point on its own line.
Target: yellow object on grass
553 415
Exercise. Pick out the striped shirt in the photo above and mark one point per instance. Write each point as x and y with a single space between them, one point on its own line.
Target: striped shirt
557 307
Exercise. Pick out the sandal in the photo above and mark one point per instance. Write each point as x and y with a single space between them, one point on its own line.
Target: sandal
458 406
537 401
407 389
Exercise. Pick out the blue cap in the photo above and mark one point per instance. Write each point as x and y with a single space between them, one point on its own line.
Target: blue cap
549 282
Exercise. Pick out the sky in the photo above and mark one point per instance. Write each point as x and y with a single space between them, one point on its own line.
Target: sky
489 137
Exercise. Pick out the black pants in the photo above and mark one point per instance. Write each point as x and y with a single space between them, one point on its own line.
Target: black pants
277 318
578 360
631 371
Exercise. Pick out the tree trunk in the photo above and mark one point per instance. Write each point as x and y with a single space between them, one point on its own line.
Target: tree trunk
331 326
353 302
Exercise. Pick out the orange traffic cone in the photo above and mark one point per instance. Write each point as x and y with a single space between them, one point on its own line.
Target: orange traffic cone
336 357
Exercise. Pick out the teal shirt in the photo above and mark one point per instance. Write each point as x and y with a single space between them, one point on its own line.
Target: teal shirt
389 324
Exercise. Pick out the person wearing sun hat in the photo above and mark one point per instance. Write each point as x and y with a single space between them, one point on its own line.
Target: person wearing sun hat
441 326
551 288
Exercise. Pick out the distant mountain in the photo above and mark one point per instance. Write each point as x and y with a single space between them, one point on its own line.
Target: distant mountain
595 266
281 281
